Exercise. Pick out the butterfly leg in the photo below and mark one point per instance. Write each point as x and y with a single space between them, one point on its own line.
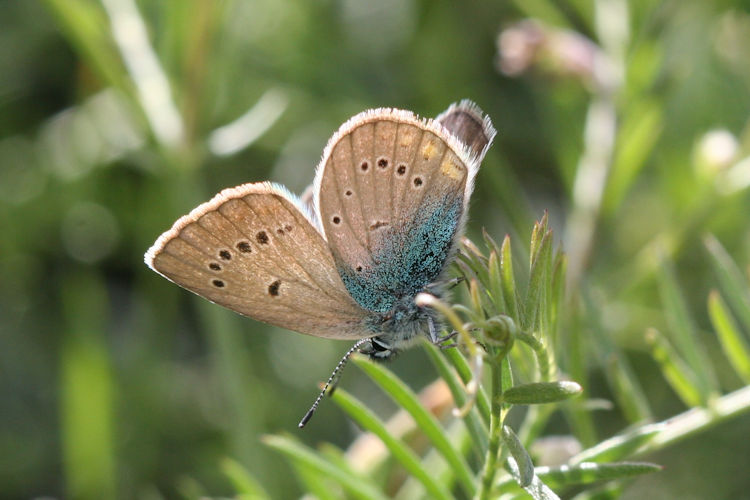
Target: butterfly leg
454 282
437 339
437 287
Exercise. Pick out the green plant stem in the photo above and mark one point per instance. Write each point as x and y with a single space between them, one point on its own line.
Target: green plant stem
536 416
681 426
497 415
543 355
699 419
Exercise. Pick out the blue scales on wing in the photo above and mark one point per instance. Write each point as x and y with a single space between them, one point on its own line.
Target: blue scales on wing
406 258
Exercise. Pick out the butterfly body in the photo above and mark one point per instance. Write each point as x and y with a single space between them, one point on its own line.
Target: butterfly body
388 206
398 328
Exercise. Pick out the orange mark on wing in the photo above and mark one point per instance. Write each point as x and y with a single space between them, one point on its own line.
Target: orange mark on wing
407 138
428 150
451 168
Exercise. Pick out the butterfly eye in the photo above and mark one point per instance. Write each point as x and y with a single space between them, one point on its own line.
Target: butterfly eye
348 192
262 238
383 163
401 170
224 254
214 266
336 219
244 247
218 283
417 181
364 166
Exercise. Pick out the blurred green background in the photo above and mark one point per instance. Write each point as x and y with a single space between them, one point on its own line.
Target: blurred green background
628 121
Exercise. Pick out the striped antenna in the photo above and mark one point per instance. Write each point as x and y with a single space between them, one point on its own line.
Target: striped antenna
333 381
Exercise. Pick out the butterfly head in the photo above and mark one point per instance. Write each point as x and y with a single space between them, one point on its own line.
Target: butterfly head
398 328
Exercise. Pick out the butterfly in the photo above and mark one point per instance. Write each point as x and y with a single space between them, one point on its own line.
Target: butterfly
379 225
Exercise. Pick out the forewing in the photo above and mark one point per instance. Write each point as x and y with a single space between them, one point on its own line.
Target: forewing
252 250
391 196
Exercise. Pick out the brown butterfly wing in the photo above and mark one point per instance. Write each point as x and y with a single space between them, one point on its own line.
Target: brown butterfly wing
252 250
392 192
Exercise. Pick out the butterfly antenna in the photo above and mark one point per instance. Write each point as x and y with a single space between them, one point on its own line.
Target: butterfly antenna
333 381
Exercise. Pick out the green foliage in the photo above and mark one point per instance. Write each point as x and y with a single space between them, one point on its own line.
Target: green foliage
246 486
624 120
489 348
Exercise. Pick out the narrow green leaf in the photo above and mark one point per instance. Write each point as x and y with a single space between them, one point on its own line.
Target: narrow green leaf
435 463
675 370
590 472
471 249
618 447
552 295
557 289
507 376
245 485
476 428
537 234
400 451
684 334
406 399
509 281
733 344
462 268
519 453
473 257
543 355
627 389
490 242
462 309
314 483
735 288
544 223
536 293
537 489
464 371
587 473
477 304
308 458
495 290
477 268
541 392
